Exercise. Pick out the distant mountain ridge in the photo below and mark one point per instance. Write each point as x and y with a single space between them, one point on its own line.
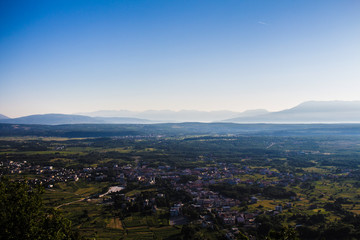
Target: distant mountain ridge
310 112
129 117
307 112
56 119
3 117
177 116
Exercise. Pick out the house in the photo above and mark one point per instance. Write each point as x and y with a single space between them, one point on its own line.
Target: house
278 208
229 220
174 211
226 208
240 218
253 200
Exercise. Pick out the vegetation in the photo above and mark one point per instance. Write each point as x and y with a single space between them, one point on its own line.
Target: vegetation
305 185
23 216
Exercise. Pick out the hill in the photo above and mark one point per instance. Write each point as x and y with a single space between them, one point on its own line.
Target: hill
3 116
168 115
56 119
310 112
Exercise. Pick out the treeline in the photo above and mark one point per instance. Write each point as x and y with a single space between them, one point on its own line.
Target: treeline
178 129
244 192
23 215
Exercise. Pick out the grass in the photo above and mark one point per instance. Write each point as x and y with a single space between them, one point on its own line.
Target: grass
266 204
55 199
62 153
94 220
115 223
316 170
37 138
137 221
71 191
135 192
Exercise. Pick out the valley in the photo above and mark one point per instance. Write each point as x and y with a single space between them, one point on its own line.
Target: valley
209 186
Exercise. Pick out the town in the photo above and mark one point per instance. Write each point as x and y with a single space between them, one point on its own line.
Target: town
230 198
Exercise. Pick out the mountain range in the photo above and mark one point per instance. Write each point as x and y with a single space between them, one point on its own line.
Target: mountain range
57 119
307 112
310 112
178 116
3 116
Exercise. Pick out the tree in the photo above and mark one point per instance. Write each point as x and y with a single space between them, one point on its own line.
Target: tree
23 216
187 231
284 234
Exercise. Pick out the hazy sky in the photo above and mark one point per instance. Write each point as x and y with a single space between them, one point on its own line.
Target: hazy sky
77 56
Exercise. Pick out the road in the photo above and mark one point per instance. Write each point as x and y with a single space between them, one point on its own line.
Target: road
79 200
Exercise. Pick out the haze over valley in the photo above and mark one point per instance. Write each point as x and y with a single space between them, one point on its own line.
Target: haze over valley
307 112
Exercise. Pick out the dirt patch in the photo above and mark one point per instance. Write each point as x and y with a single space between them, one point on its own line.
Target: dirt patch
115 223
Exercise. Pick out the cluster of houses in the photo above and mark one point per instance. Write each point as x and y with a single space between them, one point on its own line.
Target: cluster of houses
225 173
203 198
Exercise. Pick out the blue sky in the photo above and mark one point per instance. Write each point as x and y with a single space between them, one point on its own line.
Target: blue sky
79 56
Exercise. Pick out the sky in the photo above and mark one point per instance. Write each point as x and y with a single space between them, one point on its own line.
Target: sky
72 56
